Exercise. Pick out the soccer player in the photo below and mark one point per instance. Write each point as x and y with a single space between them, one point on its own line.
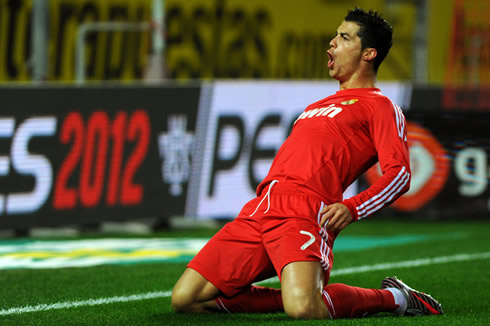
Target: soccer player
290 227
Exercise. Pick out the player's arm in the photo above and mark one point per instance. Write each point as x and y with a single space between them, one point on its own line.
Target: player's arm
389 134
388 130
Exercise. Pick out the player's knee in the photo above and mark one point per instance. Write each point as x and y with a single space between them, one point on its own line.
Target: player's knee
301 305
181 300
302 310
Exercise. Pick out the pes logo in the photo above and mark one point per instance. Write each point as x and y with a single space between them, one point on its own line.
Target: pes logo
83 161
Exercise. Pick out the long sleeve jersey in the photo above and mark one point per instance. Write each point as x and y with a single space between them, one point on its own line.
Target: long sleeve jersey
336 139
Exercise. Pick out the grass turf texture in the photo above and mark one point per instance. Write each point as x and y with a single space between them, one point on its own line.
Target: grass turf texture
461 287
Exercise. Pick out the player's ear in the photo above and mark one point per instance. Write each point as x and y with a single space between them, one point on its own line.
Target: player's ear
368 54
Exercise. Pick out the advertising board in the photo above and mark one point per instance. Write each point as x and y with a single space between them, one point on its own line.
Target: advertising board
84 155
241 130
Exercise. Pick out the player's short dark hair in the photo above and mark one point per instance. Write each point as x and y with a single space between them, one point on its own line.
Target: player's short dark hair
374 32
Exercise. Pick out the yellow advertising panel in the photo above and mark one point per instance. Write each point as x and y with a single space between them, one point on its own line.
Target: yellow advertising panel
272 39
280 39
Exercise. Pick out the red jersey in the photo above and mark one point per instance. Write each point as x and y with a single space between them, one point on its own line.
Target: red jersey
337 139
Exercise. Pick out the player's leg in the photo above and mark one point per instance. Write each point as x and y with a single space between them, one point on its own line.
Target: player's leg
344 301
303 297
302 284
299 250
255 299
303 252
193 293
220 276
306 297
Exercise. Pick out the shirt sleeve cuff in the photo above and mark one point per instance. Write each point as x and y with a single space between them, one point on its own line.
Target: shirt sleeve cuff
350 205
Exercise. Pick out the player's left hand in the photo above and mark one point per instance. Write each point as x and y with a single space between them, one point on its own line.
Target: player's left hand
336 216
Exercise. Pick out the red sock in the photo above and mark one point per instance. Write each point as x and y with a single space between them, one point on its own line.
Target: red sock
345 301
255 299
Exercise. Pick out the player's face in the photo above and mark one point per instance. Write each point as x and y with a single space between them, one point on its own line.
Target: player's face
345 52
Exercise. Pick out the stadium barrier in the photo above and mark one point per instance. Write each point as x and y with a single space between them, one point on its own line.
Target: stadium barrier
72 155
457 118
84 155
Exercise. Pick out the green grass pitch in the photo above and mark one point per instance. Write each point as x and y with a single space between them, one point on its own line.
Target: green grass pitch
463 287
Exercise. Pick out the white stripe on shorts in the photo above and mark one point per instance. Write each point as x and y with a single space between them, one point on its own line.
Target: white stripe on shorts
324 249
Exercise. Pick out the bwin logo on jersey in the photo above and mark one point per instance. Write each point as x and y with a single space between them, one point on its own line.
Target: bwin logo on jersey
175 150
329 111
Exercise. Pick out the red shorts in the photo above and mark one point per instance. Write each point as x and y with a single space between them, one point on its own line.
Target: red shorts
283 229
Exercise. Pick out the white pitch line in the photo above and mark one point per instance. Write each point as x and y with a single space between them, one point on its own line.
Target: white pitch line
166 294
412 263
85 303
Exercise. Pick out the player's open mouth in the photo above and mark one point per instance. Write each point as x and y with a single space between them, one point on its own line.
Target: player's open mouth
331 60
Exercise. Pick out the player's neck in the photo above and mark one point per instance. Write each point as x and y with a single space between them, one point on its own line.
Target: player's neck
361 79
